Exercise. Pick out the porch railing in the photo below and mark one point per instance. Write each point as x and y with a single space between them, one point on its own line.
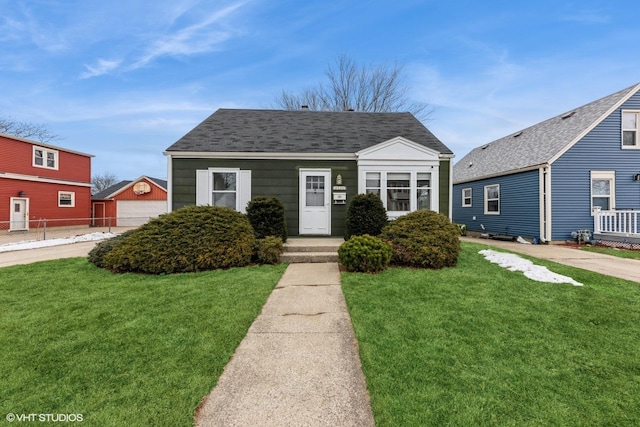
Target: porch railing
624 222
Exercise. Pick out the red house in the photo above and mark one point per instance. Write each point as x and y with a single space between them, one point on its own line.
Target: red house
130 203
41 181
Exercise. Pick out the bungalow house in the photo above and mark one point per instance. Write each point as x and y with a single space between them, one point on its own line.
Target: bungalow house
574 174
313 161
130 203
41 182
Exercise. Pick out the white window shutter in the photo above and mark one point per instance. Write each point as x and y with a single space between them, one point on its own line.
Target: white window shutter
245 190
202 187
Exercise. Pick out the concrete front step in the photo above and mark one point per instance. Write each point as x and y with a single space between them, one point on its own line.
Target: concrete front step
300 249
307 257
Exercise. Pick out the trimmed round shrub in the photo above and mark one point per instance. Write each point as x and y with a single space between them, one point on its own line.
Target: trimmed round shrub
366 254
268 250
194 238
423 239
366 215
266 215
104 247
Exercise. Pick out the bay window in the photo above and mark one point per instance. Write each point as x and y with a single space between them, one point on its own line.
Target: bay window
401 191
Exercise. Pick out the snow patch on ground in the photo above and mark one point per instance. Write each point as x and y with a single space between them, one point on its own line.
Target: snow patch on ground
34 244
535 272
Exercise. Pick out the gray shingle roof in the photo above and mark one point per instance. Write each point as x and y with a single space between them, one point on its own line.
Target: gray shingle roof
537 144
115 188
279 131
104 194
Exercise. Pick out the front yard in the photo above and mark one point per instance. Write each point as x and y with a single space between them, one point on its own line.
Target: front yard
471 345
120 350
481 345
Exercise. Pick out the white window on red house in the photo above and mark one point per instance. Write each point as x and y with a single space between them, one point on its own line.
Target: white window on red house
45 158
66 199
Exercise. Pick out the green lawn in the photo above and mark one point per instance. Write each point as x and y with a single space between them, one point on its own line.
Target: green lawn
622 253
478 345
122 350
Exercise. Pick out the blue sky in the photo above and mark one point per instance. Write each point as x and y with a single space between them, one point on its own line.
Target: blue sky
124 80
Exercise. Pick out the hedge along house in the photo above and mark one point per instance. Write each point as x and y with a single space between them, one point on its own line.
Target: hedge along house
313 161
577 171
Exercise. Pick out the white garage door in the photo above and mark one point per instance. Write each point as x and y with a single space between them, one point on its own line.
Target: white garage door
132 213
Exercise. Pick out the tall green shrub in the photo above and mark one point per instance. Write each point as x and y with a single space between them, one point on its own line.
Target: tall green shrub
266 215
423 239
365 215
194 238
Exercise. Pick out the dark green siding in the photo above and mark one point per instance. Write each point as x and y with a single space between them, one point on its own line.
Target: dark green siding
444 180
279 178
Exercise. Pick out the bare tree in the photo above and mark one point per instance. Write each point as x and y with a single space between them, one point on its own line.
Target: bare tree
101 182
28 130
359 88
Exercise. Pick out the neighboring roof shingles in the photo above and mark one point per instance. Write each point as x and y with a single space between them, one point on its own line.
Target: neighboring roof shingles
280 131
104 194
537 144
115 188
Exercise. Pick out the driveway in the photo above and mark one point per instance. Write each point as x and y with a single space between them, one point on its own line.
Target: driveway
627 269
28 256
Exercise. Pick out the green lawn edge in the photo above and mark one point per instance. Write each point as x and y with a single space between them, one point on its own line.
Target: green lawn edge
121 349
478 344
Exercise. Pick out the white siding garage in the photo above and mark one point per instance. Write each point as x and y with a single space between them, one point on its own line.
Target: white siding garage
132 213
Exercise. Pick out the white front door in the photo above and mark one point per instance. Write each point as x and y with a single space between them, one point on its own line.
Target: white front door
315 206
19 215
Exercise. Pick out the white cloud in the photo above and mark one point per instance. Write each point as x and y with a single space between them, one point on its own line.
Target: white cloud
197 38
103 66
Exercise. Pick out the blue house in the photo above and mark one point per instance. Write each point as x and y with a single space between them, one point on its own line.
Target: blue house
577 171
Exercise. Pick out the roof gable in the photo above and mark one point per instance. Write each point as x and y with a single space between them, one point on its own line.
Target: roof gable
43 145
121 186
539 144
280 131
398 148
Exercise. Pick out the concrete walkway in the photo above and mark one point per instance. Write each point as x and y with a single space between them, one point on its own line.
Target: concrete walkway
298 364
628 269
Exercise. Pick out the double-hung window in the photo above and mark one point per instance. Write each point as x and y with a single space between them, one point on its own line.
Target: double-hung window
630 127
373 183
224 189
466 197
230 187
492 199
66 199
45 158
602 190
398 191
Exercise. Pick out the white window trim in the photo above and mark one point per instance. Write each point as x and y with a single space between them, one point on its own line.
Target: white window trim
204 195
413 188
45 151
470 204
636 146
610 175
486 200
73 199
